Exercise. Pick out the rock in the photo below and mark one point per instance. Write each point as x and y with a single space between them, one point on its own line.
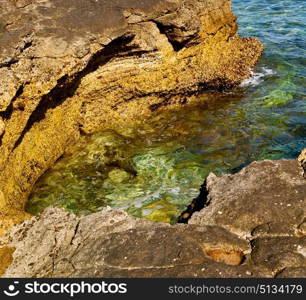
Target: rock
253 225
267 198
74 66
5 258
228 256
280 252
302 161
264 203
292 273
8 216
112 244
118 175
2 127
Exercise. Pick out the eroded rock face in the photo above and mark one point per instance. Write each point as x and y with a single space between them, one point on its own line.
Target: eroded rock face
253 226
267 198
112 244
266 204
73 67
302 161
2 127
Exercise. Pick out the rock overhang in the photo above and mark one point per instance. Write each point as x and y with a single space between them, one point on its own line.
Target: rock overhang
74 67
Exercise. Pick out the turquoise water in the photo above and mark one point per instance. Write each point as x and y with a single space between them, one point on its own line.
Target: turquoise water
280 96
154 171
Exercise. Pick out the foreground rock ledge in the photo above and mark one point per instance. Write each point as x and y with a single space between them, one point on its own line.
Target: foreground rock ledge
253 226
75 66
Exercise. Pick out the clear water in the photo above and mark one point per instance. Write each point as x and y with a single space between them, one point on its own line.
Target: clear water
154 170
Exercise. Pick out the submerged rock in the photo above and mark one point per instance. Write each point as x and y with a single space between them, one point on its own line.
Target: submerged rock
118 175
252 226
72 67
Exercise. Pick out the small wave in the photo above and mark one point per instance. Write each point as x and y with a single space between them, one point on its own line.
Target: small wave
257 77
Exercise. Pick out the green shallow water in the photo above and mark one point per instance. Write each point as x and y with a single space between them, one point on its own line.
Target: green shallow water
155 170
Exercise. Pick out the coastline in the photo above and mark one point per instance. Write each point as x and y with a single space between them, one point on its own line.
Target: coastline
61 84
252 226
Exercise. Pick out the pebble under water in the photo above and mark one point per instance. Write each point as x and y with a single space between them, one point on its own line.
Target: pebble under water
155 169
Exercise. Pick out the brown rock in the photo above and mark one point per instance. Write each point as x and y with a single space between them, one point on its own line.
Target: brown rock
112 244
302 161
292 273
280 252
253 239
228 256
76 66
258 235
2 127
5 258
267 198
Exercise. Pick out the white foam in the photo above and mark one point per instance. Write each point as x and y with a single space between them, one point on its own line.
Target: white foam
257 77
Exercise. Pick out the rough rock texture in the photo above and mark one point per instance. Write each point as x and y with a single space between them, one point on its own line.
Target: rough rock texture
253 226
267 198
5 258
78 66
266 204
302 161
2 127
112 244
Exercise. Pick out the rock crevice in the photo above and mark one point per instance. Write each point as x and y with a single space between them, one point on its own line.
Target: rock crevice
76 67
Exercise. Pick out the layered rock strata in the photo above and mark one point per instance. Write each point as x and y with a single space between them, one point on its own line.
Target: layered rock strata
74 67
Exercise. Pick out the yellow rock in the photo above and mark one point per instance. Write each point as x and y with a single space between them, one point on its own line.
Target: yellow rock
118 77
5 258
118 175
225 255
2 127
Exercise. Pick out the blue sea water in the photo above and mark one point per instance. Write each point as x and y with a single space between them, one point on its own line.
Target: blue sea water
281 26
155 171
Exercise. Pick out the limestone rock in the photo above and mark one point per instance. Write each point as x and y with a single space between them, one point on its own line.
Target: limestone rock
267 198
253 226
302 161
5 258
112 244
292 273
80 66
2 127
279 252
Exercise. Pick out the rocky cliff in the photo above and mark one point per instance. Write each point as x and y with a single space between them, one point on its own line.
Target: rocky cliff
253 225
75 67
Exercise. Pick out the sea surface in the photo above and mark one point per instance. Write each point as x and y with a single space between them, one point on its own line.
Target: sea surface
154 171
